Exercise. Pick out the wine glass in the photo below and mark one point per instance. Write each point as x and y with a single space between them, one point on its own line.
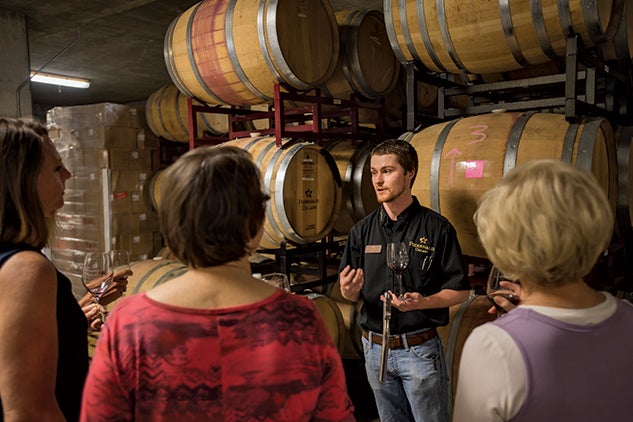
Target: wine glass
279 280
120 263
397 261
496 287
97 274
120 260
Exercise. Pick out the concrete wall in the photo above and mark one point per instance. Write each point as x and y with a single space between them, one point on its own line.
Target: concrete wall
14 70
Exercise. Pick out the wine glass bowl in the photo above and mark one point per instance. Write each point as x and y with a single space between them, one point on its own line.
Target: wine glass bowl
279 280
397 260
120 260
122 269
495 287
97 274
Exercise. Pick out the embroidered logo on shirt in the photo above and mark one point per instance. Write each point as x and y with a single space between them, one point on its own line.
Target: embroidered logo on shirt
422 246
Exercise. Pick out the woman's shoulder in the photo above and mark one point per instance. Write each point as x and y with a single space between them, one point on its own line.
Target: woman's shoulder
27 263
7 250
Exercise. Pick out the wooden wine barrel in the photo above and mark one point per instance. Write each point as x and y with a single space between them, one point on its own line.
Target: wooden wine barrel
551 67
150 273
146 275
332 317
620 47
166 253
352 347
304 185
154 188
624 207
167 116
233 51
367 66
461 159
463 318
487 36
359 197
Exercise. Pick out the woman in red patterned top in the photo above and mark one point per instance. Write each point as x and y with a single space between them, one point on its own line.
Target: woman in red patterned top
215 344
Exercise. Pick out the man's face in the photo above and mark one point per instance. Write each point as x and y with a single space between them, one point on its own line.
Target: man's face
389 178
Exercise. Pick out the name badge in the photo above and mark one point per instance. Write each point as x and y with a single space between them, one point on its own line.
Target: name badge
373 248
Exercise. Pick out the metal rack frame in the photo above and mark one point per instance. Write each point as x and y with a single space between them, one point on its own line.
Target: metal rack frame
598 89
319 254
309 118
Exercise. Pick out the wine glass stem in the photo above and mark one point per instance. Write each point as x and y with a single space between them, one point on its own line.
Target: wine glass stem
96 301
400 292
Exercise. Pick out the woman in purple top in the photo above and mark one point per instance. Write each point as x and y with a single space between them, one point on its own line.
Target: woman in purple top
563 354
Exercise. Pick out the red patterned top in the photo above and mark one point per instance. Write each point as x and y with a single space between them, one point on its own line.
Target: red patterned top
273 360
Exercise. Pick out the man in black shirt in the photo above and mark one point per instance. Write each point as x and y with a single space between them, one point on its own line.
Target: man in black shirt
416 383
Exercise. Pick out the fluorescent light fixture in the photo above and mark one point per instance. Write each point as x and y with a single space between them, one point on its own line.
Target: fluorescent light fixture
49 78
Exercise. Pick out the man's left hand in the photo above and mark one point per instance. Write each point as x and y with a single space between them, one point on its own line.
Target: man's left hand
411 301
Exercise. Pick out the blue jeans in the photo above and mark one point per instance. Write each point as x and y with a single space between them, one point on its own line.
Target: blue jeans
416 382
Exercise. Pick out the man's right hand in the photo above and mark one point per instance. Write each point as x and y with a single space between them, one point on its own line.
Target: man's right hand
352 280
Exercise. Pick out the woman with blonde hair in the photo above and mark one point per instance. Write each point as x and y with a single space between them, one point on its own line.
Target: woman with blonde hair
215 343
563 354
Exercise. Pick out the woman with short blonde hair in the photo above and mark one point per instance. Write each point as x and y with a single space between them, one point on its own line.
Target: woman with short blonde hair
563 354
546 221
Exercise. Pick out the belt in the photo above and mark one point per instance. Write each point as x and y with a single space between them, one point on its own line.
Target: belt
397 342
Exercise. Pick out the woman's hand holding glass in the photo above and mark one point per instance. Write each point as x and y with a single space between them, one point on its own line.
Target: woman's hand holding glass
97 274
504 294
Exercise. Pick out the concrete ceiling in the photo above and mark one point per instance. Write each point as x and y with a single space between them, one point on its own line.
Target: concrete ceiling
117 44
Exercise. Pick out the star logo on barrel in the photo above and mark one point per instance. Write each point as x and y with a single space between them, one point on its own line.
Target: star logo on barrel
308 193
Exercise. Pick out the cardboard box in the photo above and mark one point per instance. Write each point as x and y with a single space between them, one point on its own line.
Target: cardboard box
139 202
131 159
146 139
137 222
129 180
106 137
135 118
142 243
121 202
91 115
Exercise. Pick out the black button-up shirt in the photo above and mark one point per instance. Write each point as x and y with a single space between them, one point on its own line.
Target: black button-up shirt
430 237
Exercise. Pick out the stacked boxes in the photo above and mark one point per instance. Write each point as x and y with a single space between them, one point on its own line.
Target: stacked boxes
107 206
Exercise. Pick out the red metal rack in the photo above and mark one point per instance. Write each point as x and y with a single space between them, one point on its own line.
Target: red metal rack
301 121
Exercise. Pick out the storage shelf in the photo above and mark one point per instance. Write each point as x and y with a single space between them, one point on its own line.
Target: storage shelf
303 121
587 86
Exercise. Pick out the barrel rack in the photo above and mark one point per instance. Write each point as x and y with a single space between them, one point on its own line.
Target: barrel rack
301 120
588 86
308 266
